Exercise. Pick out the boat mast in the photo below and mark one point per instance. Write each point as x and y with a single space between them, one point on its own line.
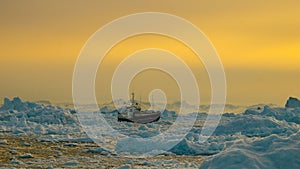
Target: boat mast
140 100
152 102
132 98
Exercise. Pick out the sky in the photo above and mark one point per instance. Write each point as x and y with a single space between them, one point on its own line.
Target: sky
258 43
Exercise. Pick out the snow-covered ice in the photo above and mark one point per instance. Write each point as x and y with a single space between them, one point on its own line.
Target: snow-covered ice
264 136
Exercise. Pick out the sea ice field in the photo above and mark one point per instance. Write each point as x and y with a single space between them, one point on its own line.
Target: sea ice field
262 136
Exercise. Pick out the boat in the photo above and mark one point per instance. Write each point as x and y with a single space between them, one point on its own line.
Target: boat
133 113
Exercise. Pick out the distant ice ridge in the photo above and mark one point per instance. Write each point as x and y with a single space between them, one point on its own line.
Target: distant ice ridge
175 106
259 137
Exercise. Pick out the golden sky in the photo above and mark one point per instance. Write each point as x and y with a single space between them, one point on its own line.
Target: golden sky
258 42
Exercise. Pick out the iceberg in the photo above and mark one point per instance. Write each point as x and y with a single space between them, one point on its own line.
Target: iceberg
292 103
